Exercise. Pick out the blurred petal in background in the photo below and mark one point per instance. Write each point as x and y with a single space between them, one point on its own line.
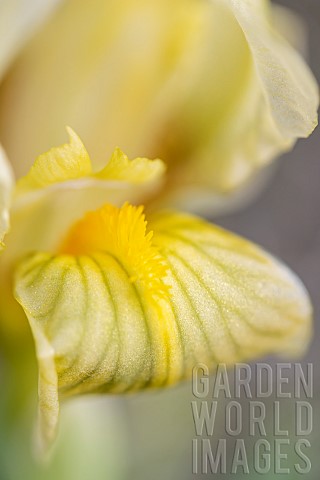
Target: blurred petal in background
208 86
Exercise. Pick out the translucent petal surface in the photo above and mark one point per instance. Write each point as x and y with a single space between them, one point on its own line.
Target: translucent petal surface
291 90
208 86
122 309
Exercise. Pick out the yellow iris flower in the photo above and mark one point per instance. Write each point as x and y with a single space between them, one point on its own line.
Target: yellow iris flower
210 87
118 301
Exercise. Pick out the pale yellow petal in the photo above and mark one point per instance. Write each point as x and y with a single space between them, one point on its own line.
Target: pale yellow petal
187 81
60 164
121 309
71 162
293 27
290 88
6 184
260 299
107 69
139 170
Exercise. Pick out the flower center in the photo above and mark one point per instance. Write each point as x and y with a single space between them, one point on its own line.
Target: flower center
122 233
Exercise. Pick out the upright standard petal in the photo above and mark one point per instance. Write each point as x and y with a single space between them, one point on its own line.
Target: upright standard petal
125 306
290 88
208 86
6 184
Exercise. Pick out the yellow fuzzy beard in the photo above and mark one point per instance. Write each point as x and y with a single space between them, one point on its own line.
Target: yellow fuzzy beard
122 233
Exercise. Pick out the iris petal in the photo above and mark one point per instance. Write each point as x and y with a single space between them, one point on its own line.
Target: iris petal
61 186
208 86
126 306
290 88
